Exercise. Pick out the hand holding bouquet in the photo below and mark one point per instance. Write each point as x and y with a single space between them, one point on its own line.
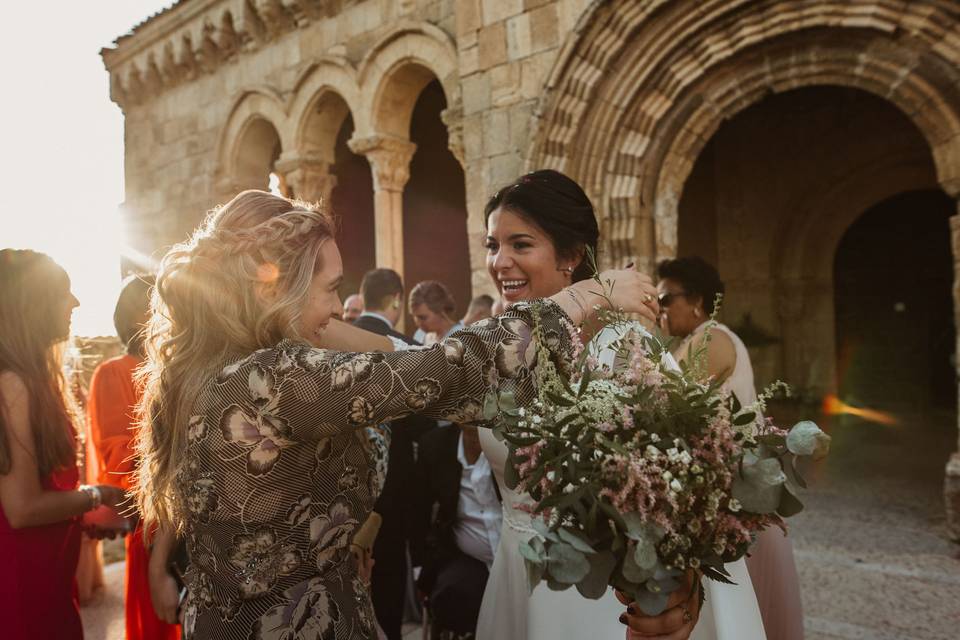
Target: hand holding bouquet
639 471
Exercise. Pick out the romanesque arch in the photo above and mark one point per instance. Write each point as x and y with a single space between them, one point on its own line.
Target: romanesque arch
394 72
641 88
251 142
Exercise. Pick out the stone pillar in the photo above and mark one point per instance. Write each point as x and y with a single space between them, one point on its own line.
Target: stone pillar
389 159
308 177
951 489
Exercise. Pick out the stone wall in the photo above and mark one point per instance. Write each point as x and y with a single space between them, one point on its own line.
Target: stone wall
623 95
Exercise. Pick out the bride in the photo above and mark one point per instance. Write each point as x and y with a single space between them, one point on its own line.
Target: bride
538 232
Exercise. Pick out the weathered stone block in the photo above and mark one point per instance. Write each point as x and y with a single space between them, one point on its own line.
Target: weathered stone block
497 10
493 45
505 84
544 32
476 93
468 17
496 132
518 37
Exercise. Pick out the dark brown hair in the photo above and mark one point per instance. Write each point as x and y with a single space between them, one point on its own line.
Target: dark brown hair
558 205
32 286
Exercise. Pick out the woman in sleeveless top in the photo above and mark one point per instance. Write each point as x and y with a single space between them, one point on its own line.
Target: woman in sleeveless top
688 289
40 500
540 230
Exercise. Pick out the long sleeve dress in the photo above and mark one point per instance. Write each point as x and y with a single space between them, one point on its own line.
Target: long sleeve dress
110 408
277 476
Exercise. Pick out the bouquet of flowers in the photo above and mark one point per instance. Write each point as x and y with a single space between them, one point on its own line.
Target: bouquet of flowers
640 471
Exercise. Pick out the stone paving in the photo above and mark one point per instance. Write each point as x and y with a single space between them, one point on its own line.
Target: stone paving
871 548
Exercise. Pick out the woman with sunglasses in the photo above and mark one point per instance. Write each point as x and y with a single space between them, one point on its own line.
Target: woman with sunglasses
688 291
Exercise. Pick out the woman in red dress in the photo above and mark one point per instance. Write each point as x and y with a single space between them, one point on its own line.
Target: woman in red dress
111 406
40 500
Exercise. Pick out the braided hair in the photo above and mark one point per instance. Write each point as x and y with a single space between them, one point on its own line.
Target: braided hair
236 286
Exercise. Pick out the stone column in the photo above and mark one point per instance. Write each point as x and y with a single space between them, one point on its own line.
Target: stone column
951 489
389 159
308 177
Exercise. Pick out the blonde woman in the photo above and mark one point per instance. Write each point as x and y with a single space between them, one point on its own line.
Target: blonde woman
250 442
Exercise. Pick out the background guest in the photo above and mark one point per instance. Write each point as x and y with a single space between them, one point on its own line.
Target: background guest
480 308
40 499
352 307
433 309
459 518
111 408
382 292
688 288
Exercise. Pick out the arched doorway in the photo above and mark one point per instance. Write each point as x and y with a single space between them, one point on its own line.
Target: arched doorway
434 204
767 202
893 278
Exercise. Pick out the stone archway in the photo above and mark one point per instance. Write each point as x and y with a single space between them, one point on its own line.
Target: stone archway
641 88
251 143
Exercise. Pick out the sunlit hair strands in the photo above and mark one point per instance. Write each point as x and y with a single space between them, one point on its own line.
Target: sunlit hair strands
236 286
33 332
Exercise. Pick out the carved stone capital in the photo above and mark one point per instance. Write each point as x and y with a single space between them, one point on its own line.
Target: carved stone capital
308 177
452 117
389 158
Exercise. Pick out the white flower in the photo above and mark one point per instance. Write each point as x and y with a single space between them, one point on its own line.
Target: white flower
734 505
655 437
675 485
667 476
652 452
521 412
686 458
536 419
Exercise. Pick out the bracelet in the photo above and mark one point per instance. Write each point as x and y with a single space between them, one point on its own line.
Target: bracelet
94 493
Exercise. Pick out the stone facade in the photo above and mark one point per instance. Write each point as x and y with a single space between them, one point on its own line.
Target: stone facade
623 95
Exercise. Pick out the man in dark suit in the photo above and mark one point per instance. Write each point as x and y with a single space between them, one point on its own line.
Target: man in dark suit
382 293
459 517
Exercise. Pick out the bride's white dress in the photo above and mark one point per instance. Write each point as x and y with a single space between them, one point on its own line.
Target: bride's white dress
510 612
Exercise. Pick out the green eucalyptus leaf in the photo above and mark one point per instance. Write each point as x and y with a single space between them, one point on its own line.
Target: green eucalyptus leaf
490 406
790 505
595 584
508 401
511 478
744 418
544 530
631 570
652 603
534 574
806 439
531 553
576 539
566 564
759 484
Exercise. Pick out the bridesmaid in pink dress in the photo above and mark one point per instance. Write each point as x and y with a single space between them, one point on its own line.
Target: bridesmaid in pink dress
688 287
40 500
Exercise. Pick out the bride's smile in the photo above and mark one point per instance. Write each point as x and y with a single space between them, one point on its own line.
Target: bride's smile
521 258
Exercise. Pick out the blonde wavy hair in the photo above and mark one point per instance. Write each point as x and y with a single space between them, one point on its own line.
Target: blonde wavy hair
236 286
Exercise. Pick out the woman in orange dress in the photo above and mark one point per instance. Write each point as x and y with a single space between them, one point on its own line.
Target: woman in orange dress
111 405
41 500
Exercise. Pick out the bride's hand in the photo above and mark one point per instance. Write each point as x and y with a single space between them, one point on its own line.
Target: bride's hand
631 291
677 620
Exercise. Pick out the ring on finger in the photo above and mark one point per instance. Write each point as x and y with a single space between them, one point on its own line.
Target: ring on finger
647 299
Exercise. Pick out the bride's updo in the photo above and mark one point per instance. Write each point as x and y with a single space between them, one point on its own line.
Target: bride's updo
558 205
237 285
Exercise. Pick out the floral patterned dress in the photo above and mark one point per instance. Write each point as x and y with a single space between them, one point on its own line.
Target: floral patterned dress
281 470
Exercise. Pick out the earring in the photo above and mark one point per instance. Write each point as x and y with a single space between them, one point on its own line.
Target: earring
696 313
